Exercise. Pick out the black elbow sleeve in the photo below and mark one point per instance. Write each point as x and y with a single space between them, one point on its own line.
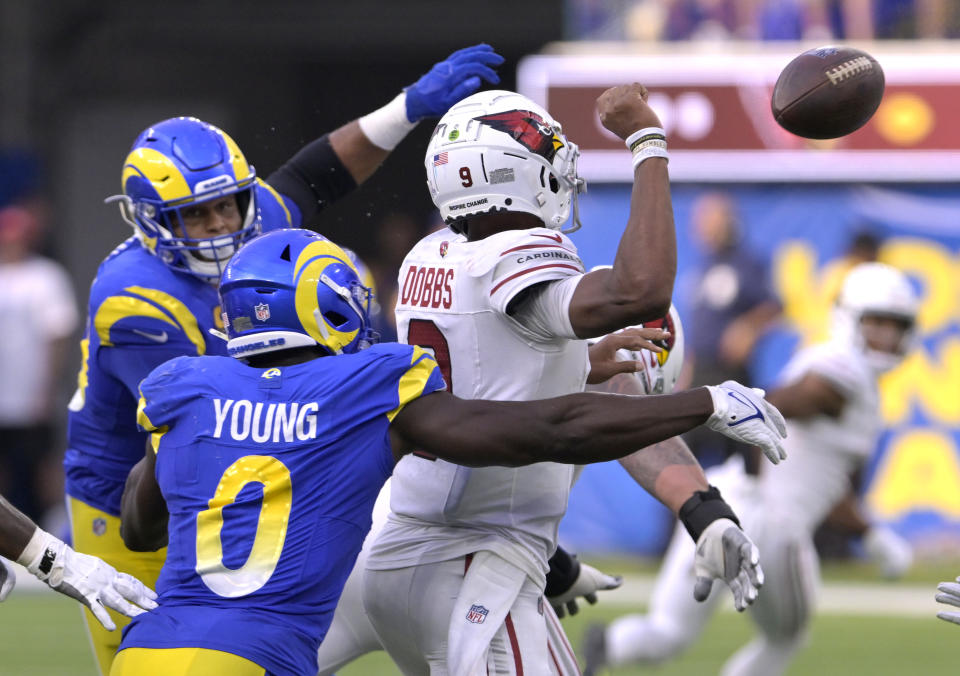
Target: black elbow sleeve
313 177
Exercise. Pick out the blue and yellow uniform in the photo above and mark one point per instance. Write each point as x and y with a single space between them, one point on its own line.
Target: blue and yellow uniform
142 312
270 476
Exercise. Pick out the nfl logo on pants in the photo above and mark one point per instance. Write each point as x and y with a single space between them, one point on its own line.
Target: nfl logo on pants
477 614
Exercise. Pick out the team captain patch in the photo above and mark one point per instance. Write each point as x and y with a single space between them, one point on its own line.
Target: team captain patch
477 614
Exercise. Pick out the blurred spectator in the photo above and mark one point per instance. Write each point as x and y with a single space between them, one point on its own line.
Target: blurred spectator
732 305
37 319
672 20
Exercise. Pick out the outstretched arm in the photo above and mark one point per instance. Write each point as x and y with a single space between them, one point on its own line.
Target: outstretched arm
85 578
334 164
640 285
578 428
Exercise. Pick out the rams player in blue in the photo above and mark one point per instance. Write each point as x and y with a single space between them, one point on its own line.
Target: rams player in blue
261 470
193 199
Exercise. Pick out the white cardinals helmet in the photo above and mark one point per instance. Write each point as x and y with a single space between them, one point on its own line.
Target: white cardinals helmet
660 370
499 151
879 290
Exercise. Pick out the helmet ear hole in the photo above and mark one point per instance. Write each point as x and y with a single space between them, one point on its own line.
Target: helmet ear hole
554 184
335 318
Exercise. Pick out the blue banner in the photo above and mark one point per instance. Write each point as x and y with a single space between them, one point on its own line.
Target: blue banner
913 480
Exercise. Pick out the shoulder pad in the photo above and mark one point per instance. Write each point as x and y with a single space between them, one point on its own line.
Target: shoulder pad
525 246
143 316
275 210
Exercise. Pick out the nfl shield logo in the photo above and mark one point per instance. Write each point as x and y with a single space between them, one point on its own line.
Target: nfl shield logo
263 311
477 614
443 248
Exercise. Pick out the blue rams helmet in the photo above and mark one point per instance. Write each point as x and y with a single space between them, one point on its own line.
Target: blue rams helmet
176 164
294 288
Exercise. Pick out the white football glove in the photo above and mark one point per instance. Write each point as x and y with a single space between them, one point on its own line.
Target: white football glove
8 578
92 582
742 414
949 594
725 552
588 583
889 551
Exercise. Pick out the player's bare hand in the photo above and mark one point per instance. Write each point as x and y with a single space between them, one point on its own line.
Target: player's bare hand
624 110
605 362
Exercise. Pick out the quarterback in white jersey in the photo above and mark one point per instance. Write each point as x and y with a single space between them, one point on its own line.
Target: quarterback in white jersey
503 301
829 395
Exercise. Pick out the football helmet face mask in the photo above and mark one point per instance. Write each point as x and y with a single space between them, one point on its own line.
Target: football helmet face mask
875 290
175 165
499 151
294 288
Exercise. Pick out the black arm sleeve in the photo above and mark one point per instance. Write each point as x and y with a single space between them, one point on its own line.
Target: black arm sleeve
563 573
312 178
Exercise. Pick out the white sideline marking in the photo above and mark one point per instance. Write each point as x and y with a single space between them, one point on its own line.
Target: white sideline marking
839 598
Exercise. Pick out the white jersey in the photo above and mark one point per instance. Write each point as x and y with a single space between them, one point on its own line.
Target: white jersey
453 299
823 451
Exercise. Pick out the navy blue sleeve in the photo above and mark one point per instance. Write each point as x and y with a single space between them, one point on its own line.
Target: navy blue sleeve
312 178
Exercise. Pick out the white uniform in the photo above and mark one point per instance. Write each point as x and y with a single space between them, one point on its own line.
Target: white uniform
351 635
780 511
463 556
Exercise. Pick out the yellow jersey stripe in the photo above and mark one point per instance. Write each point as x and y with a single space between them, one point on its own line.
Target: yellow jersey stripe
414 380
178 310
115 308
80 397
144 421
279 199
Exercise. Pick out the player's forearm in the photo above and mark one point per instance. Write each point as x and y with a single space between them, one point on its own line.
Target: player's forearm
143 516
357 153
577 428
668 471
646 262
640 285
16 529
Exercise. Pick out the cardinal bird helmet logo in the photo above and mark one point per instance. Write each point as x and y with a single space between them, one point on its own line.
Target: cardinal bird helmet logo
528 129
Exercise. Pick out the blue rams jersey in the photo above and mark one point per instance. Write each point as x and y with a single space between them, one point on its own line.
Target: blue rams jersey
270 476
140 314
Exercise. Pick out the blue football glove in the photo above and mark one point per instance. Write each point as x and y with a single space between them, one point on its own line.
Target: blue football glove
451 80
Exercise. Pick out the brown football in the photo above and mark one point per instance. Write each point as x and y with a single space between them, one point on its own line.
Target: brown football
827 92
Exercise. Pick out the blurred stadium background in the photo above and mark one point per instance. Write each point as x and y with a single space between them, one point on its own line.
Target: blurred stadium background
79 80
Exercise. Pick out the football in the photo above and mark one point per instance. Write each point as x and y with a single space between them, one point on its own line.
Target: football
827 92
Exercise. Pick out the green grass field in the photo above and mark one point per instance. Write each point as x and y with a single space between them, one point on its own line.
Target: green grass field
41 635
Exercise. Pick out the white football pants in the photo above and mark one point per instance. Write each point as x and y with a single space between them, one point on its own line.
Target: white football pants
466 616
352 635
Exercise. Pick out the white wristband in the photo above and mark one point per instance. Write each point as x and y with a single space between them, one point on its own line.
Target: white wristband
387 126
40 553
647 153
645 135
646 143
